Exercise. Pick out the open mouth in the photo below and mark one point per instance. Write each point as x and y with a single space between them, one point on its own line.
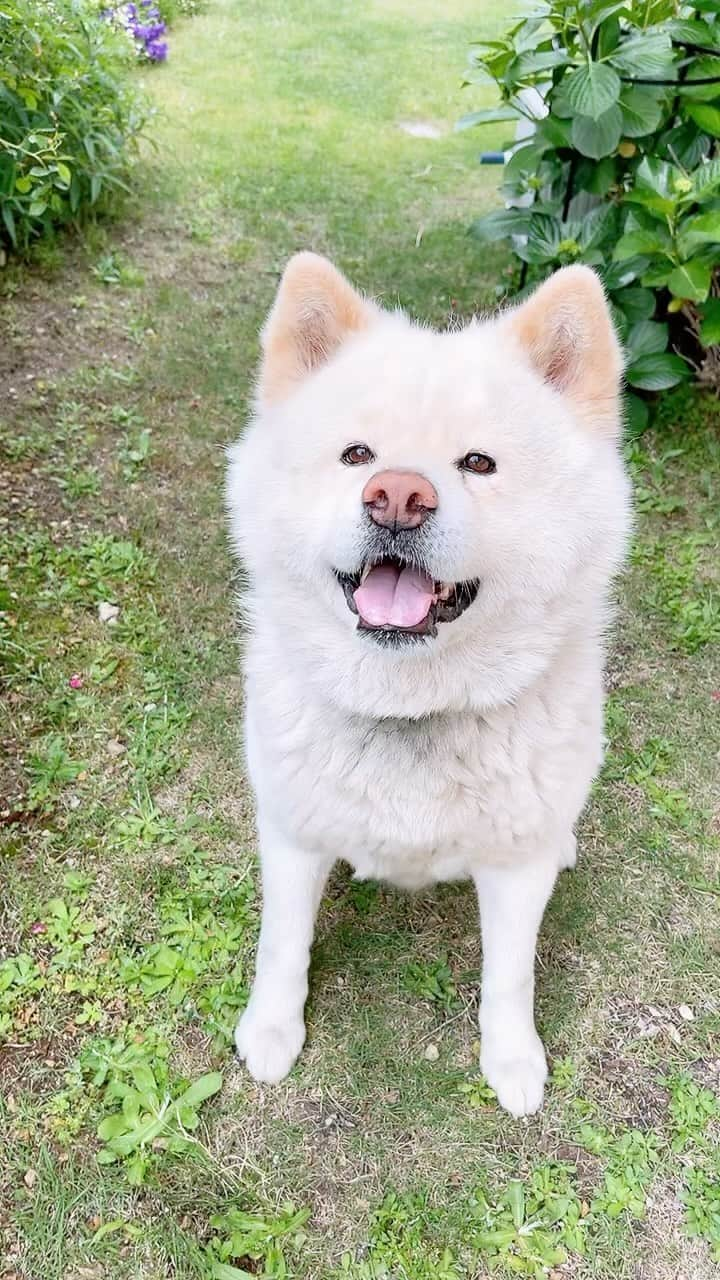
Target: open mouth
394 600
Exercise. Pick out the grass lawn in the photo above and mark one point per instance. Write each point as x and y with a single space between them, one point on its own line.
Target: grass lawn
134 1146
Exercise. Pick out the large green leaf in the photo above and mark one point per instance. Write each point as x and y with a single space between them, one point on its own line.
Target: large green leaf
491 116
637 304
645 54
702 228
601 10
706 115
592 90
112 1127
656 274
684 144
558 102
642 242
544 236
555 131
596 227
701 69
201 1089
528 33
646 338
657 372
530 64
654 175
706 179
636 414
691 281
597 138
493 59
523 163
618 275
642 110
710 327
689 30
9 220
608 38
655 185
620 324
501 224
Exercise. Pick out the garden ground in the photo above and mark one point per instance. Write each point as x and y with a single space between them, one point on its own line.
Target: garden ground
135 1145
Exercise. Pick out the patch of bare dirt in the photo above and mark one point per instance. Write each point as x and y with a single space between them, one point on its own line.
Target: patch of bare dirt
13 781
325 1115
633 1090
47 332
587 1166
53 323
667 1253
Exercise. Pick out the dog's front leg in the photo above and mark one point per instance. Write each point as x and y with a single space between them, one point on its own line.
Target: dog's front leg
271 1031
512 901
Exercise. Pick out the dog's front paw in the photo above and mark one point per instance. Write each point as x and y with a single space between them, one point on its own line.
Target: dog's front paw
268 1046
517 1074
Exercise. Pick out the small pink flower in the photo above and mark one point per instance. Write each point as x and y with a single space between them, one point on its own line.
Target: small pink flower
38 926
76 681
715 695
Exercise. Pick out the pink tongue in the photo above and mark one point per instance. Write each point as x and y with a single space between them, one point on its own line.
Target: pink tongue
392 597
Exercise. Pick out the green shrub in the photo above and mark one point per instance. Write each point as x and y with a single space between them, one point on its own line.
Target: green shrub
69 115
623 171
171 10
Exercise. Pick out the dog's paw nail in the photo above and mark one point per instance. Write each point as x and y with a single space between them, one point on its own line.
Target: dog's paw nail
268 1049
519 1082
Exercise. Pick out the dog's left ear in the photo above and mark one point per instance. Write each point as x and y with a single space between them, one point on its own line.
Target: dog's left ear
314 313
566 331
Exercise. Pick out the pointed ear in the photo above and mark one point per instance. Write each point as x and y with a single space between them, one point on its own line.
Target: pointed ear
314 312
566 331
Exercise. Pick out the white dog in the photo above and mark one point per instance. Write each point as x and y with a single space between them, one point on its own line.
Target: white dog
430 523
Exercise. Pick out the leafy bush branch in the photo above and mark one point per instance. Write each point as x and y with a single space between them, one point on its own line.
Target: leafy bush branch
615 163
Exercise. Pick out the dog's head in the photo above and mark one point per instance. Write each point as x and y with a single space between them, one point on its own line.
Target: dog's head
409 493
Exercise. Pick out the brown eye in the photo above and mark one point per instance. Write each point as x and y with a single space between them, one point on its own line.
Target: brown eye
481 464
357 455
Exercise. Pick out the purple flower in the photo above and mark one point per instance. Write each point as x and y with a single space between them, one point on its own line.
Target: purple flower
156 50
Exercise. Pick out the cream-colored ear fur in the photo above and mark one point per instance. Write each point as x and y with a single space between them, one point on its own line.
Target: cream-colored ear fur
314 312
566 330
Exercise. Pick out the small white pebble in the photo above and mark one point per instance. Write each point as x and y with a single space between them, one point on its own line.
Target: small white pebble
673 1033
686 1013
108 612
432 1053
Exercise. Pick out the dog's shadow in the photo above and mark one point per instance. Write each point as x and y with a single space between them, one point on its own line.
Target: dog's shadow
374 943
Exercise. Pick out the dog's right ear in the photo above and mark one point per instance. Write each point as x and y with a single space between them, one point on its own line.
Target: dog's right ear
314 312
566 332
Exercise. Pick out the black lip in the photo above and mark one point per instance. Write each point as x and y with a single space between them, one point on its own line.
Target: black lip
461 597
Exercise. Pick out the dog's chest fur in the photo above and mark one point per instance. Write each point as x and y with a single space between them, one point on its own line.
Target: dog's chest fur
423 800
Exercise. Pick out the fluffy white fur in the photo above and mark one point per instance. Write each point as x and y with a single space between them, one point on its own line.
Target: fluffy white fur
469 755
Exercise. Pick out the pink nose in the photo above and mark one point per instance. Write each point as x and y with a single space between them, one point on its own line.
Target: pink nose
399 499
